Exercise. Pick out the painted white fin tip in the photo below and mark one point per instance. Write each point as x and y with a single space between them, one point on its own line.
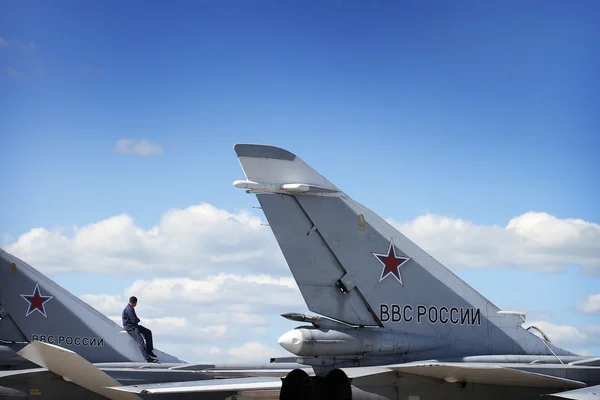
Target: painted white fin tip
263 151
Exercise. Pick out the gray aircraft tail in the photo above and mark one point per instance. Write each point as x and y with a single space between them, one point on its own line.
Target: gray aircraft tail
33 307
354 267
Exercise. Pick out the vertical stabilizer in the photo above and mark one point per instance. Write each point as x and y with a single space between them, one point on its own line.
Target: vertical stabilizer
33 307
353 266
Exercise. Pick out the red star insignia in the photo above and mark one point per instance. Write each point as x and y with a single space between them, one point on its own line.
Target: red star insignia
391 263
36 301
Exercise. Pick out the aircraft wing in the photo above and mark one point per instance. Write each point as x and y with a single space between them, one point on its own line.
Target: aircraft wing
478 373
255 387
489 374
262 387
73 368
261 383
588 393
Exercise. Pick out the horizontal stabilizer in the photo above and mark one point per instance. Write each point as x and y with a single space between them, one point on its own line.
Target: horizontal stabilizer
485 374
588 393
73 368
233 385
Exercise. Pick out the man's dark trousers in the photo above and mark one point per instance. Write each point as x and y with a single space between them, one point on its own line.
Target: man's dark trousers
137 333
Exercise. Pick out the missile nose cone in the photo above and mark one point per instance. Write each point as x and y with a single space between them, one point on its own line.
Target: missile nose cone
291 341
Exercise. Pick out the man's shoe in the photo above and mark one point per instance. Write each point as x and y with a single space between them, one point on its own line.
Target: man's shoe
151 360
151 353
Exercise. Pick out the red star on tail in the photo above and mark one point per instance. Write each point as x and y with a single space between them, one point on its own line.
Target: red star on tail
391 263
36 301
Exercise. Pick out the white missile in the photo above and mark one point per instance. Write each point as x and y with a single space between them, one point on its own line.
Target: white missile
317 342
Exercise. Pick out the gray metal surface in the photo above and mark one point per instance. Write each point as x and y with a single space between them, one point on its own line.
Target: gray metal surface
260 151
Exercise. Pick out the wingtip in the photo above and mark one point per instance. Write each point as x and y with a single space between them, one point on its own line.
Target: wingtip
262 151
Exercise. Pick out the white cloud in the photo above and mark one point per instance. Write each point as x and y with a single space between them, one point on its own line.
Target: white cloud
254 352
218 299
537 240
3 42
193 327
591 305
200 240
197 241
584 340
215 316
106 304
260 331
579 340
217 280
561 335
170 325
140 147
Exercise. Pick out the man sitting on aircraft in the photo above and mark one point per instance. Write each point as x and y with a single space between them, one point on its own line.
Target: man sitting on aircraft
131 325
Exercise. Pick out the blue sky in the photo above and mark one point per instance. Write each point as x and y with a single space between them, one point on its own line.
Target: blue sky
470 110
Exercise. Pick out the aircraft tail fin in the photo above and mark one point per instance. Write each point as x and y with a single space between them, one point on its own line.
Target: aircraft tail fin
266 166
354 267
33 307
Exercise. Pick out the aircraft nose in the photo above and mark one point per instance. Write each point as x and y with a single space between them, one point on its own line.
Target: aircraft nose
291 341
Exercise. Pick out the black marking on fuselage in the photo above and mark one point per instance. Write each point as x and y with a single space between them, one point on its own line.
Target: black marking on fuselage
396 313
